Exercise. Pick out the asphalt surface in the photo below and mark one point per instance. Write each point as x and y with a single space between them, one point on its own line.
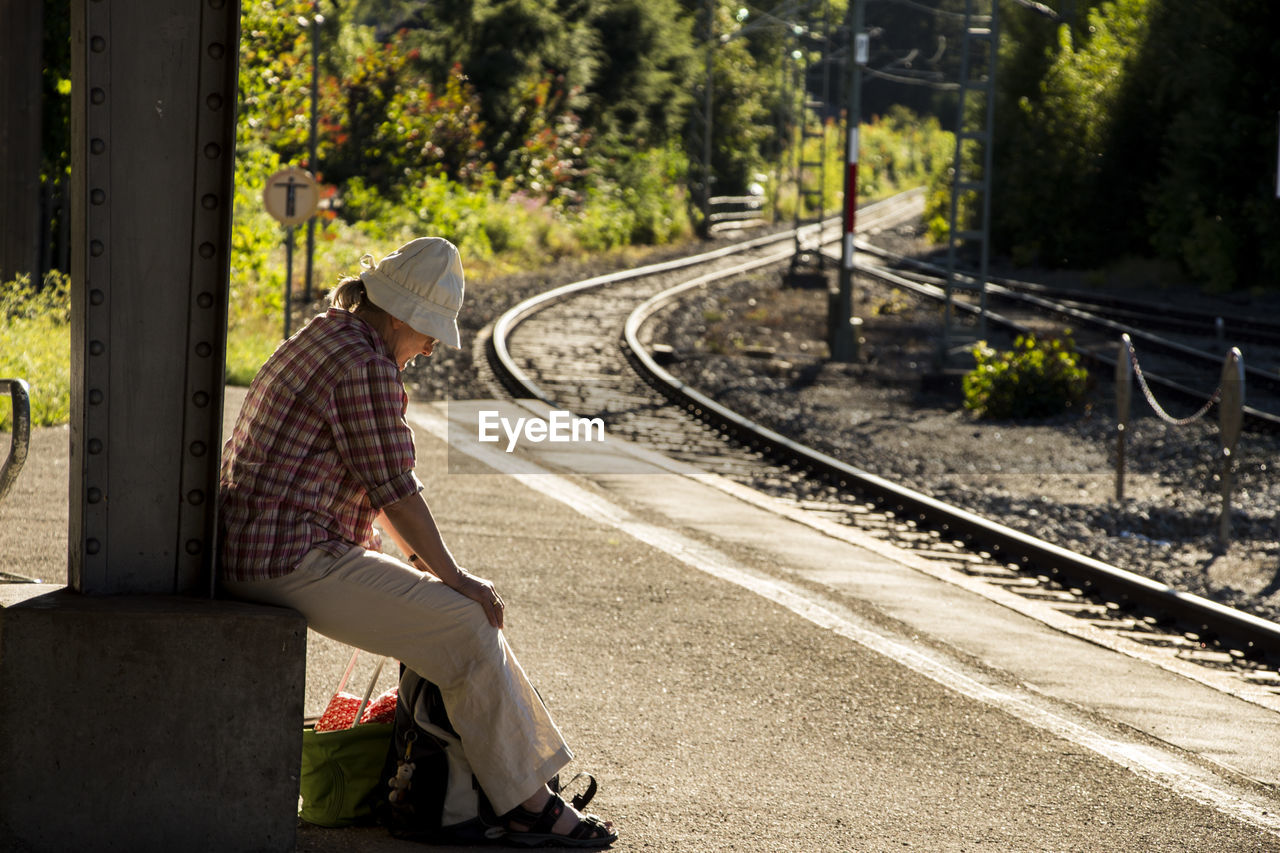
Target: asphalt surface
740 681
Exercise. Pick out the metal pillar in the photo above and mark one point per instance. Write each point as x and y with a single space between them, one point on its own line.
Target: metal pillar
979 52
845 332
20 225
1230 419
153 143
312 166
153 118
700 127
708 111
814 68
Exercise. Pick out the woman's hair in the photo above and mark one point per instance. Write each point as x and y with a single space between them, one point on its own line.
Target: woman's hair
349 294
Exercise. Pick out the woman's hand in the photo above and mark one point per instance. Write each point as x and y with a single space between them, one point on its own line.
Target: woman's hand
483 592
415 531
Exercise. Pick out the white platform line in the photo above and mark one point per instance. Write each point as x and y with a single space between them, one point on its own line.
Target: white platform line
1163 766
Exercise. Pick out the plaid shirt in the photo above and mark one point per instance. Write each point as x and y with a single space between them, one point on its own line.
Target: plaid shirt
320 445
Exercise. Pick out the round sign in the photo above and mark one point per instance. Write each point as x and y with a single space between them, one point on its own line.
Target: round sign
291 195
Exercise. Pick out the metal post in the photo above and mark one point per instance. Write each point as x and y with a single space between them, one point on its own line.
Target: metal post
316 20
1124 395
986 40
288 280
845 343
784 126
710 121
1231 417
988 158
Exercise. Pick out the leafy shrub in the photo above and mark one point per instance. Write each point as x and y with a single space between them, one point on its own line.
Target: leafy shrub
651 184
35 345
1035 379
605 221
937 205
898 151
22 300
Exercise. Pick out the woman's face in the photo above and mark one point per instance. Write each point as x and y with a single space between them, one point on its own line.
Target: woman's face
406 344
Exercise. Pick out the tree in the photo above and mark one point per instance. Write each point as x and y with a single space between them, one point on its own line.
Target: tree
1210 82
1052 202
1150 131
642 60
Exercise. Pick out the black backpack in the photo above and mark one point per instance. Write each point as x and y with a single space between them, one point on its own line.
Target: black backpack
431 794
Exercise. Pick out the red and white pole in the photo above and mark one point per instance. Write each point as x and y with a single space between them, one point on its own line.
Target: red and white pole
850 197
844 334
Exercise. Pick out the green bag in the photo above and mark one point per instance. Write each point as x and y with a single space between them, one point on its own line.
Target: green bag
342 773
342 770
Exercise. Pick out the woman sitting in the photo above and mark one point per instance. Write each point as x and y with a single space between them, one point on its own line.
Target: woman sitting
320 451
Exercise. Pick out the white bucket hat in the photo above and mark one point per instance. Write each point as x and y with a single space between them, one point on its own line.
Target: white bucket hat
420 284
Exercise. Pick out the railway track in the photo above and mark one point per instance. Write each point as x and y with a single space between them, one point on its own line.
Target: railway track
1215 327
585 348
1182 352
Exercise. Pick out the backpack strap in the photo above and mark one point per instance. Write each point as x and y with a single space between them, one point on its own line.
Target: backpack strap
580 799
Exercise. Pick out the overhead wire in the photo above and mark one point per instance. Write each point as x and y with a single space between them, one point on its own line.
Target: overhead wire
1039 9
940 85
941 13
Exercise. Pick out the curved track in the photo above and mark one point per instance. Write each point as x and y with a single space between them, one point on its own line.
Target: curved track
583 348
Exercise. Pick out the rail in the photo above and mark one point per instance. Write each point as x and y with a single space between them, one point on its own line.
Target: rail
1254 419
734 211
19 392
1205 621
1254 636
518 381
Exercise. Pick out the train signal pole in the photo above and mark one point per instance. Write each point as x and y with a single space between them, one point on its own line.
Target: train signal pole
845 337
314 25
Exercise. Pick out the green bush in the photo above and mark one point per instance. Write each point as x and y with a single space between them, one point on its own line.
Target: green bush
1035 379
35 345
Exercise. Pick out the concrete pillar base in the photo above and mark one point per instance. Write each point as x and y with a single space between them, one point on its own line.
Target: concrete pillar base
140 723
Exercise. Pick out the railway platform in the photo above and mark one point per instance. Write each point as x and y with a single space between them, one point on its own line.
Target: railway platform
741 678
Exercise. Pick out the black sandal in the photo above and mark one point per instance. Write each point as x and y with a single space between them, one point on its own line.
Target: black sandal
591 831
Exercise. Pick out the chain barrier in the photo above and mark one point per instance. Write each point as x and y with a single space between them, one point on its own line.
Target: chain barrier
1151 398
1229 395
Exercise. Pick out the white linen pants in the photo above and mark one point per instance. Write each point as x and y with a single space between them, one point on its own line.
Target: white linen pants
377 603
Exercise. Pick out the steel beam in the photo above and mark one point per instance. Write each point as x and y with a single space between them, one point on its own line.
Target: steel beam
153 138
20 28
